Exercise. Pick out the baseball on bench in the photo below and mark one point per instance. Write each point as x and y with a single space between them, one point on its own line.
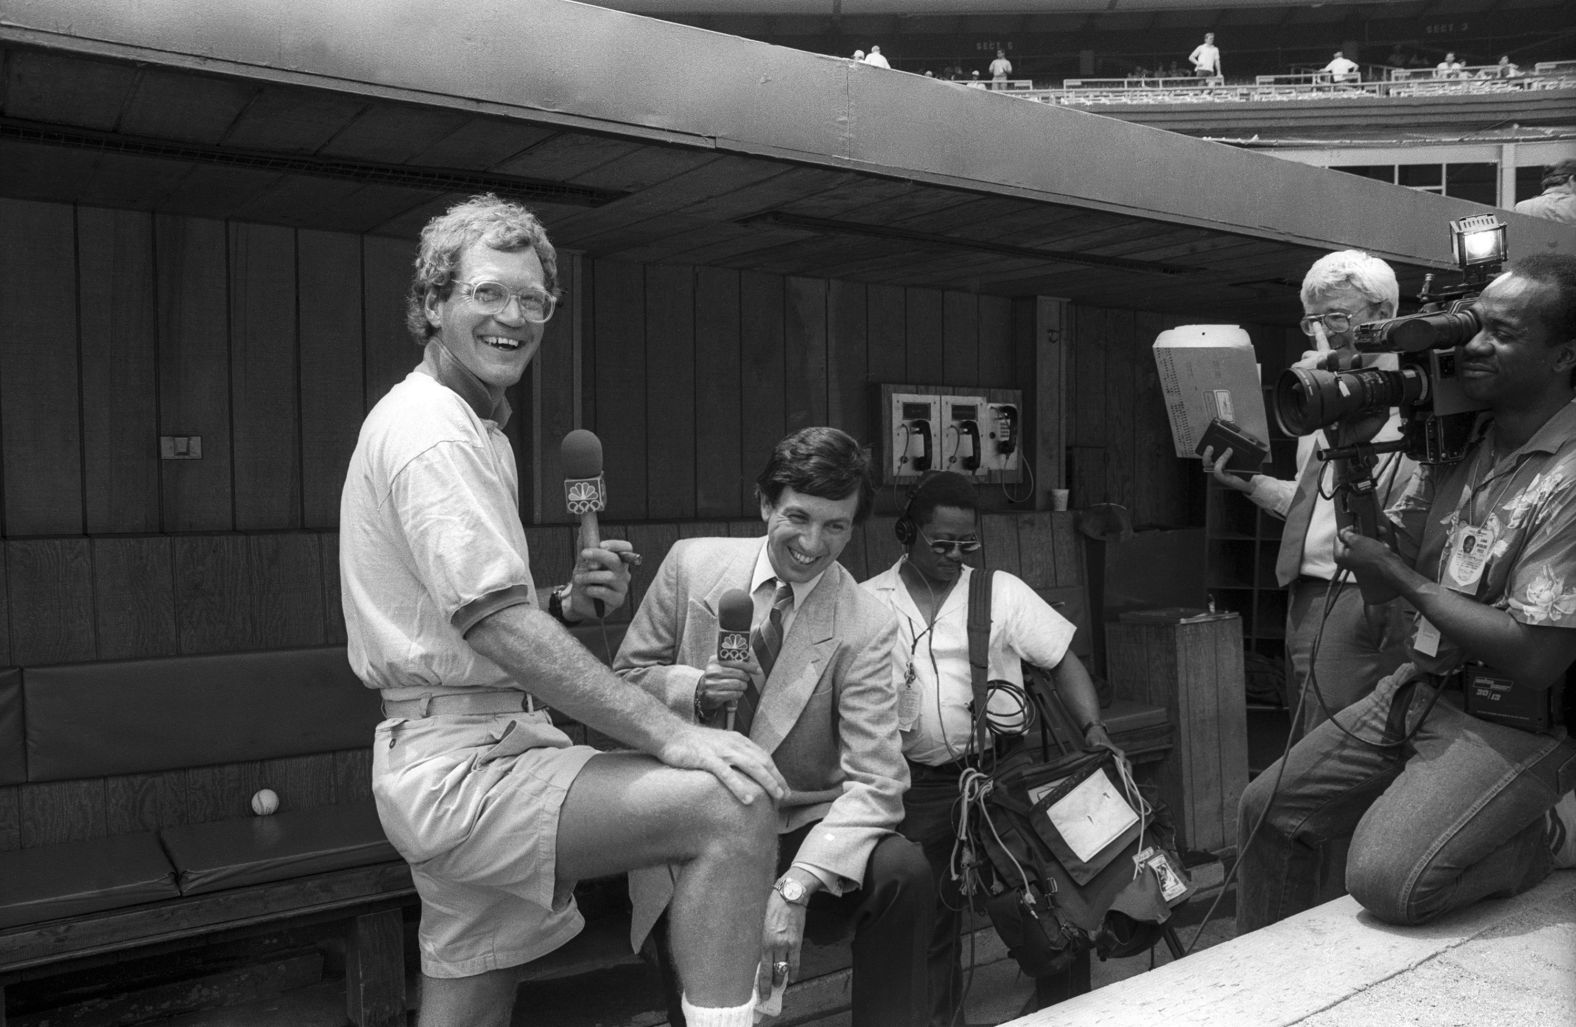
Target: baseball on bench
265 802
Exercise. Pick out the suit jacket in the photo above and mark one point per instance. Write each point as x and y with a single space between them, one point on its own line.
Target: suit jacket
827 713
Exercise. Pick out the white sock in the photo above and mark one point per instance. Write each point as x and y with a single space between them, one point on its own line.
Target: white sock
719 1016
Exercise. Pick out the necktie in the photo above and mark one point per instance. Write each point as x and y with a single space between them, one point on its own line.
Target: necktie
1288 562
767 641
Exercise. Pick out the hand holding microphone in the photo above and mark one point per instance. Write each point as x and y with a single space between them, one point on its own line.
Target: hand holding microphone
605 565
725 677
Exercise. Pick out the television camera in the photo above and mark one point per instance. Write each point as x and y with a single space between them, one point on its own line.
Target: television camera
1351 396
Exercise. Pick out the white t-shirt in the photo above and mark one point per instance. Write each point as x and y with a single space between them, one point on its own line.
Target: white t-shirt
1023 627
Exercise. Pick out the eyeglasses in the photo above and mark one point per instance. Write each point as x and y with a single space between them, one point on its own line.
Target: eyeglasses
1336 322
943 546
492 298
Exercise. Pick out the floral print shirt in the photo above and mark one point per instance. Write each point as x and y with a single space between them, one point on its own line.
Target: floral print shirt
1525 501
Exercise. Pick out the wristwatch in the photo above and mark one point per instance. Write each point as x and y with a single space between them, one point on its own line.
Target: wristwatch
793 892
555 604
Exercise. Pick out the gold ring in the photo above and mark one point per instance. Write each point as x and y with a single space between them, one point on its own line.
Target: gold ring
780 968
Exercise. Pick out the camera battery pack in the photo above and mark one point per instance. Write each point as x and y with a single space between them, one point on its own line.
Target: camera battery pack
1247 452
1500 699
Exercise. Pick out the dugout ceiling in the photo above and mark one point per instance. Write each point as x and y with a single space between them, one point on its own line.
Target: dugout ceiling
639 140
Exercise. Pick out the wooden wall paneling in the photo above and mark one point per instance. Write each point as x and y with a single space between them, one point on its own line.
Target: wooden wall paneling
389 352
805 352
134 597
1121 396
746 527
285 582
1086 423
62 811
997 363
5 611
328 295
763 368
960 334
848 384
1042 343
353 774
333 608
925 342
213 594
652 542
553 549
887 348
301 782
696 529
120 418
221 792
718 397
1160 495
144 802
999 533
194 371
50 583
673 423
1037 552
881 545
40 411
10 819
1068 545
621 388
266 415
553 407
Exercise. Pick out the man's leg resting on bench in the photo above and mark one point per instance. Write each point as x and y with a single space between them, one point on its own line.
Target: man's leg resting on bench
626 811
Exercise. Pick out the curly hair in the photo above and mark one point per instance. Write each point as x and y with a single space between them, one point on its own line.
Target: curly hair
501 224
824 462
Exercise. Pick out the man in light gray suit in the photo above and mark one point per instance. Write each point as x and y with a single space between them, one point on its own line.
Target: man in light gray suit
817 692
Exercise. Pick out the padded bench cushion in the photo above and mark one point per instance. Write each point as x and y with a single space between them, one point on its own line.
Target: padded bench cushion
144 716
13 770
296 843
76 878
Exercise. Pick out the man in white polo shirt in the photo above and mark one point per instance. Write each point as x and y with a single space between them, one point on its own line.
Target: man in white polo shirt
497 813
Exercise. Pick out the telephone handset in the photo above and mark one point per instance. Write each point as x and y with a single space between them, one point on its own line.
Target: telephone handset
921 429
970 430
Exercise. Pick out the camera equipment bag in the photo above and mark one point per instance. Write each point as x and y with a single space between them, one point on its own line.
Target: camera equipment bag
1069 855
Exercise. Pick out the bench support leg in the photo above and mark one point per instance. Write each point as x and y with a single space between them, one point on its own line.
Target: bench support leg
375 971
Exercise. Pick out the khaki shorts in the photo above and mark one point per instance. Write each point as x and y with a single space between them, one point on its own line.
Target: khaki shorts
472 801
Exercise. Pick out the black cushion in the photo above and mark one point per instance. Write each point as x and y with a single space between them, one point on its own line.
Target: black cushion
143 716
255 850
76 878
13 768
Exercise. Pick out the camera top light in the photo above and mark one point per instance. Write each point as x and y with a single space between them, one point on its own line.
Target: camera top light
1478 241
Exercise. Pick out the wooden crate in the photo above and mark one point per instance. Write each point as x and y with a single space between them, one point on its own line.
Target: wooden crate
1195 671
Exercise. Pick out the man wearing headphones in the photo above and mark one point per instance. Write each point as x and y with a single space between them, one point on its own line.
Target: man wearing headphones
928 590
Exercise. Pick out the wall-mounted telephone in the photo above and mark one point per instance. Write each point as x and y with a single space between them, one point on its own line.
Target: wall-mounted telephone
914 435
960 420
1003 451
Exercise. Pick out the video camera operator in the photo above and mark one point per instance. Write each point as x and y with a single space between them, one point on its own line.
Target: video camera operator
1445 798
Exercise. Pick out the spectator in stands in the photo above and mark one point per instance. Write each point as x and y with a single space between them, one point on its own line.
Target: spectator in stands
1332 637
1397 62
859 55
818 694
1557 202
974 79
1443 807
1504 69
1449 67
1342 69
928 591
1205 58
497 813
874 58
1000 68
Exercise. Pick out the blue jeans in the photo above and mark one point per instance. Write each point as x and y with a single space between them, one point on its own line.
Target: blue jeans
1358 646
1452 815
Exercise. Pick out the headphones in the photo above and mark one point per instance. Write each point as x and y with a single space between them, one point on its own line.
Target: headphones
905 527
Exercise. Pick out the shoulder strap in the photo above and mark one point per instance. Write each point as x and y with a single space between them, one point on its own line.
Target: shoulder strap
979 650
